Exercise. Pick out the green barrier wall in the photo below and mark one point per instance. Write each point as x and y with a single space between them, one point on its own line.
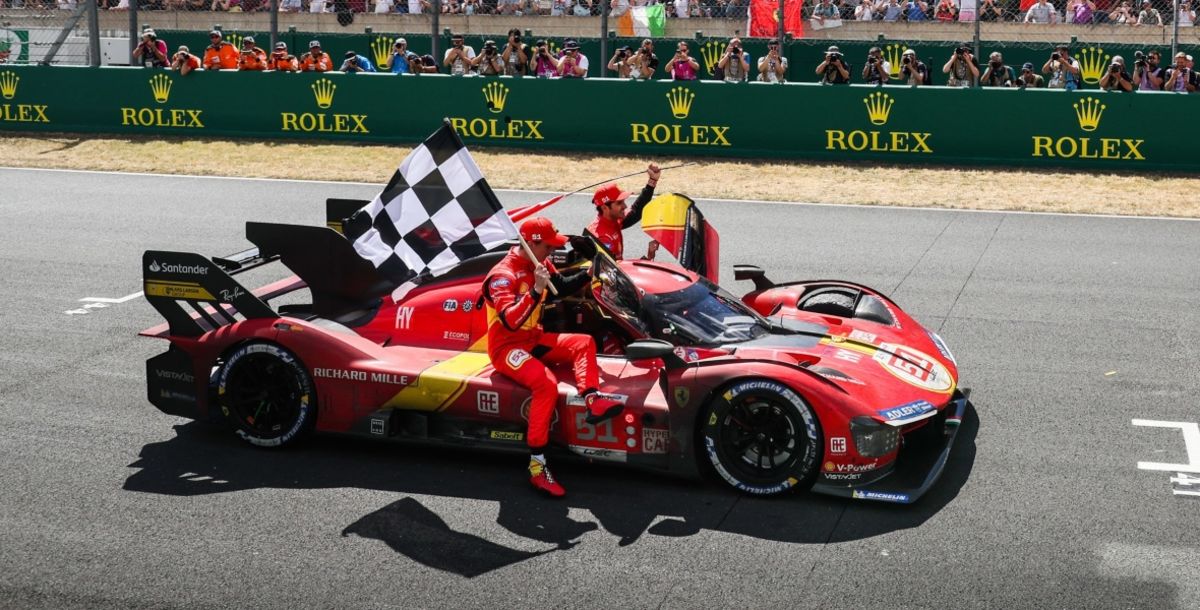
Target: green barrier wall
895 124
803 55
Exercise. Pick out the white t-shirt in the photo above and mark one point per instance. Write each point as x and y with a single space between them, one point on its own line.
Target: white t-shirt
771 76
383 6
681 9
414 7
459 66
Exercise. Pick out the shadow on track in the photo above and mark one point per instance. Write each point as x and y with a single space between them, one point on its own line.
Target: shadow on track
625 503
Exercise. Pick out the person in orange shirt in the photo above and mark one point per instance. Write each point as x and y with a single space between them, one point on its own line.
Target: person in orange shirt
220 55
280 61
252 58
315 60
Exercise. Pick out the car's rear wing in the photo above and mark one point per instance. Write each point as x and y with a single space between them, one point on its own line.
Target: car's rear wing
197 295
337 211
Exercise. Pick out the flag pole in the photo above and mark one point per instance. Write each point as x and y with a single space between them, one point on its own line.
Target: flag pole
529 253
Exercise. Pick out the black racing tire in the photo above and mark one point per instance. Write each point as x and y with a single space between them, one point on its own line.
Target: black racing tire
266 394
761 437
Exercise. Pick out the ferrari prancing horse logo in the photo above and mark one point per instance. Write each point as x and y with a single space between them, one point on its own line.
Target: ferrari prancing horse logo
681 396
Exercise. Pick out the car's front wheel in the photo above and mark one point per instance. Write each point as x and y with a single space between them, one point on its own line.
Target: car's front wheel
761 437
266 394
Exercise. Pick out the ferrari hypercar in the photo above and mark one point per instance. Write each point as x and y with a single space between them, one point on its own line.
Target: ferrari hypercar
821 385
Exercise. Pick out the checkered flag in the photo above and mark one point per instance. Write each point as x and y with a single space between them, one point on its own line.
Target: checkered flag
436 212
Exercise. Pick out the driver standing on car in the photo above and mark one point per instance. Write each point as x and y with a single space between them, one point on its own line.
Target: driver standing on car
515 292
612 215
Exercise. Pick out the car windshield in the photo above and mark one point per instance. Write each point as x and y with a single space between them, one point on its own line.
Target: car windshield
700 315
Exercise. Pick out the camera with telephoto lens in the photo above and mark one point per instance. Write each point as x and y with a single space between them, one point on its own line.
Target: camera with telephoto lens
1139 59
735 50
962 51
1114 67
489 49
834 56
1055 56
871 59
907 59
516 39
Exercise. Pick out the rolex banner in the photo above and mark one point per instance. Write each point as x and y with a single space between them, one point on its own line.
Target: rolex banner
764 18
891 124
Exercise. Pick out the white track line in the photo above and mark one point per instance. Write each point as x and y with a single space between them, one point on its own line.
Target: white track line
717 199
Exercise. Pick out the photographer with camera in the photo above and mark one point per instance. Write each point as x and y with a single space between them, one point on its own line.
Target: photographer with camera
913 71
833 70
1029 78
1115 77
356 63
1063 69
962 68
544 63
997 74
184 62
459 56
515 55
281 60
488 63
734 63
1186 16
315 60
1123 15
644 63
772 68
682 66
1149 15
401 59
877 71
252 59
573 64
151 52
620 62
220 55
1146 73
1180 77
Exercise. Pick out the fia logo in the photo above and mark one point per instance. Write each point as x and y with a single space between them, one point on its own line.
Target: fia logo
450 305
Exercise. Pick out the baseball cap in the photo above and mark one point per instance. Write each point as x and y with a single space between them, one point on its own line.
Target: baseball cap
539 229
608 194
833 49
908 52
216 33
281 45
350 54
314 44
183 49
570 45
401 41
249 39
1027 66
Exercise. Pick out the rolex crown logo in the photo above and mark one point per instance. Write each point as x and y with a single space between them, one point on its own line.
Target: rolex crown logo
893 54
1088 111
681 101
495 94
8 84
323 91
879 106
160 86
711 52
1092 64
381 47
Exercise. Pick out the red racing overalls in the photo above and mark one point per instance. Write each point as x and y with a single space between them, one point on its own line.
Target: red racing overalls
517 346
608 232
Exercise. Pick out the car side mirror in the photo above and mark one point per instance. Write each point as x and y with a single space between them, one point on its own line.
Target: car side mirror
654 348
753 273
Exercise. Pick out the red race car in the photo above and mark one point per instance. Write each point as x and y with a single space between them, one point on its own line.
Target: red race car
824 385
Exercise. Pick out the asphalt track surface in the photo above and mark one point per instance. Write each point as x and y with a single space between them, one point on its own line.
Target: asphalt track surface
1066 328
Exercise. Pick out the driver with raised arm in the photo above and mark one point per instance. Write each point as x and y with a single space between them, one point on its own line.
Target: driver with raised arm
515 292
612 216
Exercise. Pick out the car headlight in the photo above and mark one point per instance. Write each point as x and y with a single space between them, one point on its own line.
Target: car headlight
873 439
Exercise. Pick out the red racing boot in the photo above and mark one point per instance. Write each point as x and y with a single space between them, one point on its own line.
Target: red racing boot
543 481
602 407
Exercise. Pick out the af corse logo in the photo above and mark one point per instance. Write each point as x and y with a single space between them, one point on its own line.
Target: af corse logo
323 91
495 98
1088 113
879 110
160 90
679 100
18 113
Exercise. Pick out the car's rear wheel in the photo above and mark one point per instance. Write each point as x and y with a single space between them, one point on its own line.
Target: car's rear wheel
761 437
266 394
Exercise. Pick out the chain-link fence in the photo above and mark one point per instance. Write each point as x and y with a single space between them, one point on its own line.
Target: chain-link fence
610 32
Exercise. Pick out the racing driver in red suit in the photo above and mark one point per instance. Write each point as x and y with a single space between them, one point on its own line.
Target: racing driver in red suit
515 291
612 216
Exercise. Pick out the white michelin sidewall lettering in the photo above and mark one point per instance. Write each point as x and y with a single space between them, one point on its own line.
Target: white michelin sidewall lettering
305 398
801 408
